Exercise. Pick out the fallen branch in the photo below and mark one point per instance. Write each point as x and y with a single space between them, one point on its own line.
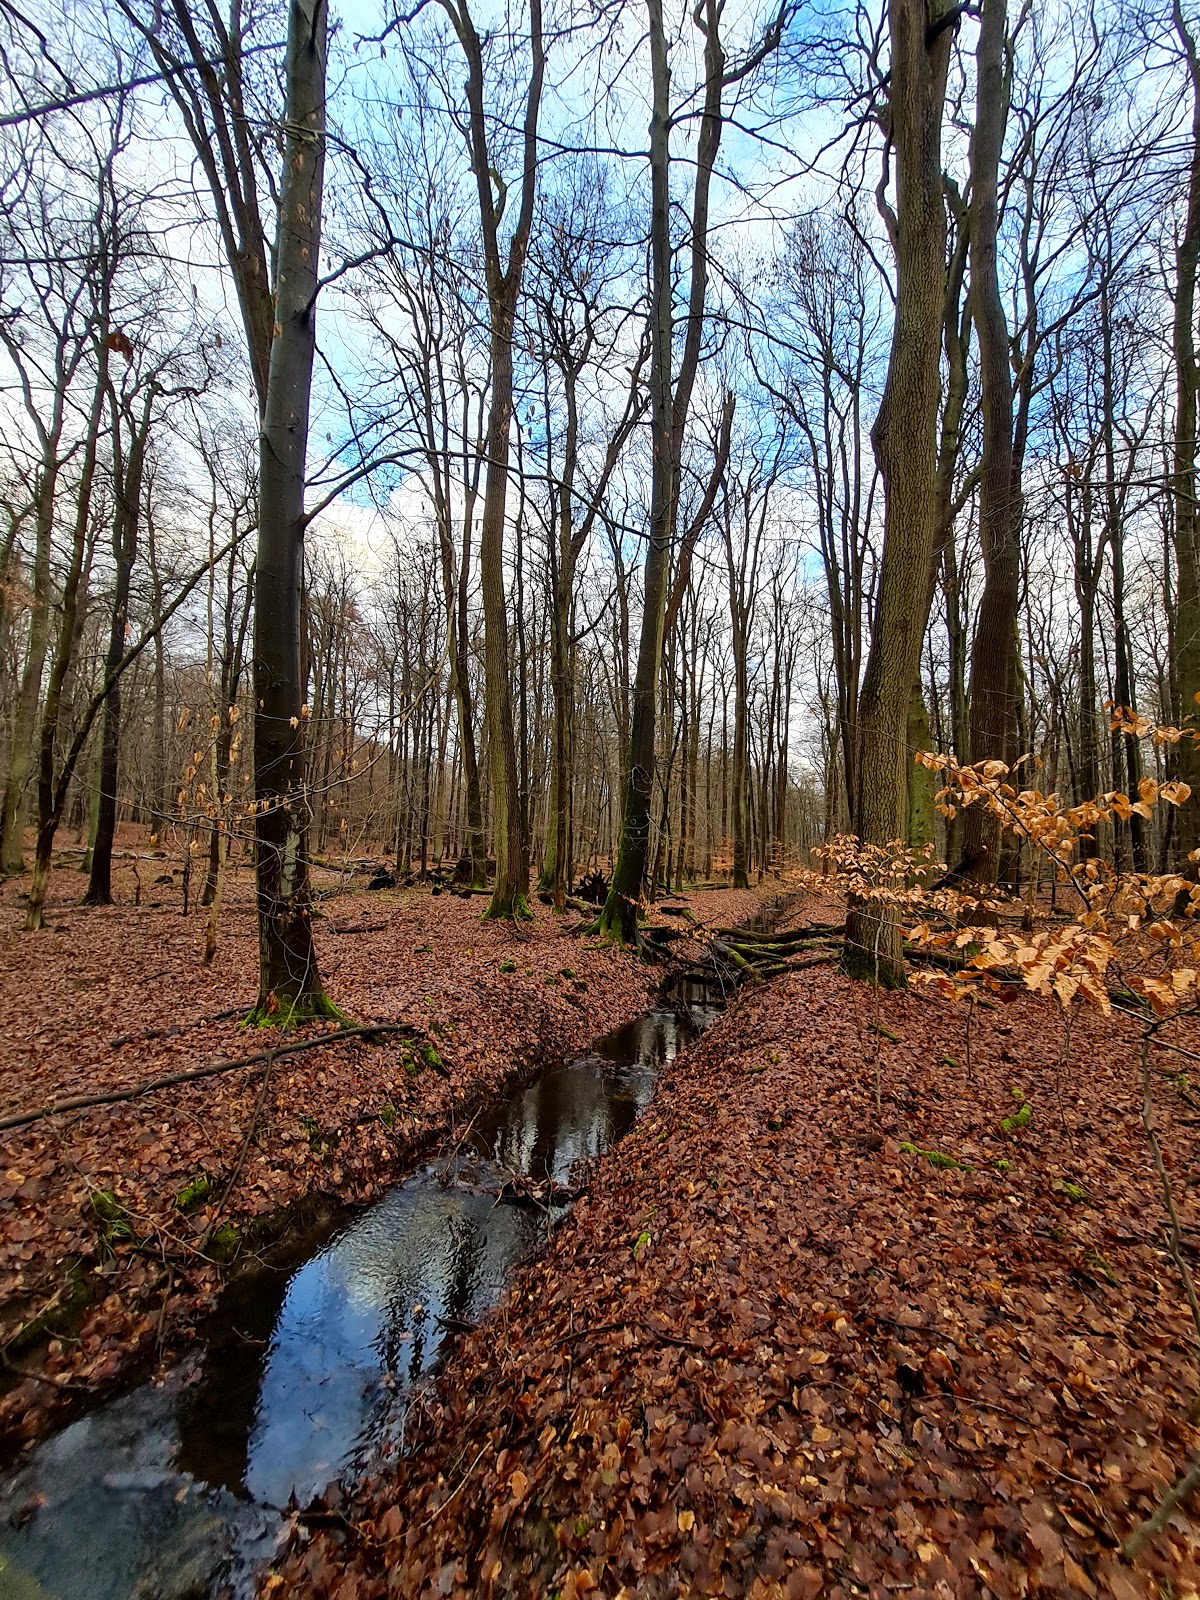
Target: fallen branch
207 1235
1161 1515
728 953
83 1102
818 930
1173 1237
177 1028
777 968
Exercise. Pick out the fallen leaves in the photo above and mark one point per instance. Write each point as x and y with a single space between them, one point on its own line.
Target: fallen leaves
117 1284
900 1377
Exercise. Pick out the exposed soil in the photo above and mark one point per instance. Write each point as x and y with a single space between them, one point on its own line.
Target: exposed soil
773 1352
103 1212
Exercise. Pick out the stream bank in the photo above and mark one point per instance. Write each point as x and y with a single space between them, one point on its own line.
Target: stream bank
98 1261
790 1345
317 1352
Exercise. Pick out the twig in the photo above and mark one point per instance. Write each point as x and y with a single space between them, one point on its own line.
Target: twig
206 1236
1062 1064
429 1521
1161 1515
176 1028
73 1385
83 1102
1174 1240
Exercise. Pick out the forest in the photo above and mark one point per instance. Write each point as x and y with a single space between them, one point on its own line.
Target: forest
600 823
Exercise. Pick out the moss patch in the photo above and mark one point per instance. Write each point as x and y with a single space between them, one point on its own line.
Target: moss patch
194 1193
935 1158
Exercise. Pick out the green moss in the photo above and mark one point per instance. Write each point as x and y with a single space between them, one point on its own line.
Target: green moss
1019 1119
1097 1262
935 1158
1074 1192
860 964
1003 1166
640 1243
111 1218
508 966
886 1033
387 1115
431 1059
566 972
223 1245
551 980
62 1316
503 910
194 1193
286 1014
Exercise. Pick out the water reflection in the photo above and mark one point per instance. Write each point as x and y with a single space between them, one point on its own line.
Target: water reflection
366 1317
305 1358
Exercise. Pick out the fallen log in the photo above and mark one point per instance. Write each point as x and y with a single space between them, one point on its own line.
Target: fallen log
84 1102
778 968
815 930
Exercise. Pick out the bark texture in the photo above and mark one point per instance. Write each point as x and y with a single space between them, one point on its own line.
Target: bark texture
904 441
289 984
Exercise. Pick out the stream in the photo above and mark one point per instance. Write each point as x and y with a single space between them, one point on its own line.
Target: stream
177 1490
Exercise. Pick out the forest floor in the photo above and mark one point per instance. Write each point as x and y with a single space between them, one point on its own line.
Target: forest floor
777 1350
115 1228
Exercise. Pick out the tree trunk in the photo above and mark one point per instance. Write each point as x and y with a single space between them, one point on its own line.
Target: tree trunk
126 508
12 817
619 916
50 799
904 441
1187 522
993 653
509 829
289 984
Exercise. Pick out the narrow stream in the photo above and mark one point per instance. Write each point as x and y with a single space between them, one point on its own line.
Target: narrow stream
174 1491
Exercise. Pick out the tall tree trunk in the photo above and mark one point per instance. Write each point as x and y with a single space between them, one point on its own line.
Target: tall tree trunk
904 441
1184 484
50 799
158 768
12 816
619 916
509 822
126 509
289 984
670 404
1089 564
993 652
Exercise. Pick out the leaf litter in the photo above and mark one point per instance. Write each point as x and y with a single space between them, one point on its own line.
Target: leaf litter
115 1226
778 1351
